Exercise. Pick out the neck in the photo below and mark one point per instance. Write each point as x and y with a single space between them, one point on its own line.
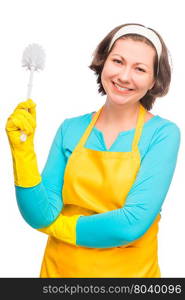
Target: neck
120 115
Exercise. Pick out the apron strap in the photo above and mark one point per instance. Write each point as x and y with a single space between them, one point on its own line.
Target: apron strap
88 130
139 127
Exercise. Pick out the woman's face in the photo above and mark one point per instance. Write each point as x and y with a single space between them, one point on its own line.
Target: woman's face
128 72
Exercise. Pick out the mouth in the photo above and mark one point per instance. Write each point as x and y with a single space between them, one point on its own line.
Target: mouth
123 90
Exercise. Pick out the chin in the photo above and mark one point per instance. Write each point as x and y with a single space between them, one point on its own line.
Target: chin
119 99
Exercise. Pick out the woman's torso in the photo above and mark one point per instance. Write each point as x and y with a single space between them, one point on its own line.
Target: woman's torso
80 196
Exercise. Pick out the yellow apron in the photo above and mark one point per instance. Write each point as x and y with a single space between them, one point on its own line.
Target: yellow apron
97 182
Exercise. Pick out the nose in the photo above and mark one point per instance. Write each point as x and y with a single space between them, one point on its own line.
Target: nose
125 74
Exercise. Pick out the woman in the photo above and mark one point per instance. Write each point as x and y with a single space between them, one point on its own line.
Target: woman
100 194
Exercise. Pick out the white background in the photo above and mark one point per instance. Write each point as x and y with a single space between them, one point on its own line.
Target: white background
69 32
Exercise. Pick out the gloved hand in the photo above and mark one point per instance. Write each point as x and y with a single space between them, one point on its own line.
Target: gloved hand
23 119
63 228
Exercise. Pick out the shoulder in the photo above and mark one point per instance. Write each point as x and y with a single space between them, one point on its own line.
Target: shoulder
159 134
77 122
72 128
165 132
167 126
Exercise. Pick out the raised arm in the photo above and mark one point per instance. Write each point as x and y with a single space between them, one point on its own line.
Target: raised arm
143 203
40 205
39 198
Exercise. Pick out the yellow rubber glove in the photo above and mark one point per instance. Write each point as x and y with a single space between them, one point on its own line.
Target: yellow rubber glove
25 167
63 228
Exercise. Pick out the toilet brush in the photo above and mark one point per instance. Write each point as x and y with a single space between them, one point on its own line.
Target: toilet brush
33 59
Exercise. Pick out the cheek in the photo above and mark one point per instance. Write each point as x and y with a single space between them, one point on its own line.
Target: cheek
142 82
105 75
108 71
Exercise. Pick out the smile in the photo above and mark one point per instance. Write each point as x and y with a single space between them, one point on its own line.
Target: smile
121 89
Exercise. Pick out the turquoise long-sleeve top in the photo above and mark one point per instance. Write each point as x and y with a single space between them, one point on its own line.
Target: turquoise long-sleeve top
159 145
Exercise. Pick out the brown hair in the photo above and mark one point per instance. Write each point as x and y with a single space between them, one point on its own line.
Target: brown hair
162 79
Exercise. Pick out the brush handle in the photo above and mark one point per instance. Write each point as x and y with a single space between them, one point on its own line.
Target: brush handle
23 136
30 83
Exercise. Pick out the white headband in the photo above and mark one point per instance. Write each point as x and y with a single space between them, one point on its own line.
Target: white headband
144 31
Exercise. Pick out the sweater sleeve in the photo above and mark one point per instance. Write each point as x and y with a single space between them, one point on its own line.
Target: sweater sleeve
40 205
144 201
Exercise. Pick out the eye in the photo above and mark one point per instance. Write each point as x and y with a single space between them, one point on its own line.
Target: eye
116 60
141 70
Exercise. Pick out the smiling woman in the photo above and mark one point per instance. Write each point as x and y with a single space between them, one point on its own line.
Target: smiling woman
101 192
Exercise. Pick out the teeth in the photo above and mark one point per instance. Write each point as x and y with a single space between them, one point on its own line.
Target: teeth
120 88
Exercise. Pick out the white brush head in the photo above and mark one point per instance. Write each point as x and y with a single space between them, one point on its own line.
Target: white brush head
33 57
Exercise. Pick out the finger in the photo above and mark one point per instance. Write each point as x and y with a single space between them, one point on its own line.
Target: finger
28 105
26 115
32 109
21 123
18 118
10 126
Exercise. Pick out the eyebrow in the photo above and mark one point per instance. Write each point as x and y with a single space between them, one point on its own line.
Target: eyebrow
137 63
